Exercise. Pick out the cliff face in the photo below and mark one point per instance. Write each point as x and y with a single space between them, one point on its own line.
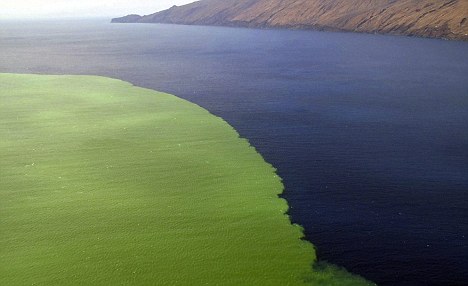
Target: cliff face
426 18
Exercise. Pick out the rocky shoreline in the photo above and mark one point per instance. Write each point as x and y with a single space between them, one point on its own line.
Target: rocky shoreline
446 19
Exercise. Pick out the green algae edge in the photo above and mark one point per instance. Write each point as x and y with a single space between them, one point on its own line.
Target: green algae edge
105 183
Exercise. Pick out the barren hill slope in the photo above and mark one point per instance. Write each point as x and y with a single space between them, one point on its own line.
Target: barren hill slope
427 18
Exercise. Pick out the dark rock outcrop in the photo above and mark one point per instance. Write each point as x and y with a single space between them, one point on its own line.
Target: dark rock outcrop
425 18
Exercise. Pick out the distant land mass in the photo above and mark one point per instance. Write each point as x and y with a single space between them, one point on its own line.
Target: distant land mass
424 18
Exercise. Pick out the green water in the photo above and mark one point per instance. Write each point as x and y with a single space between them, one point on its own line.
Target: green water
104 183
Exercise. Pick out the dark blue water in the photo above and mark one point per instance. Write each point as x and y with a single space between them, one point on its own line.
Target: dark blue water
369 133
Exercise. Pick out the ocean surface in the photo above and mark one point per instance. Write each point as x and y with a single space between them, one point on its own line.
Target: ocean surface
368 132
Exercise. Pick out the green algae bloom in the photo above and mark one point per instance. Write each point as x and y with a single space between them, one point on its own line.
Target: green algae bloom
105 183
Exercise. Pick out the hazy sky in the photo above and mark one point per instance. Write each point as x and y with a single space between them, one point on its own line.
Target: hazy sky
82 8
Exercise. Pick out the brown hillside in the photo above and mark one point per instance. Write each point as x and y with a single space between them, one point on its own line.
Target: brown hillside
427 18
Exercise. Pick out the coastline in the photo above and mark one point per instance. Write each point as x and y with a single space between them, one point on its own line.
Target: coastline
442 19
